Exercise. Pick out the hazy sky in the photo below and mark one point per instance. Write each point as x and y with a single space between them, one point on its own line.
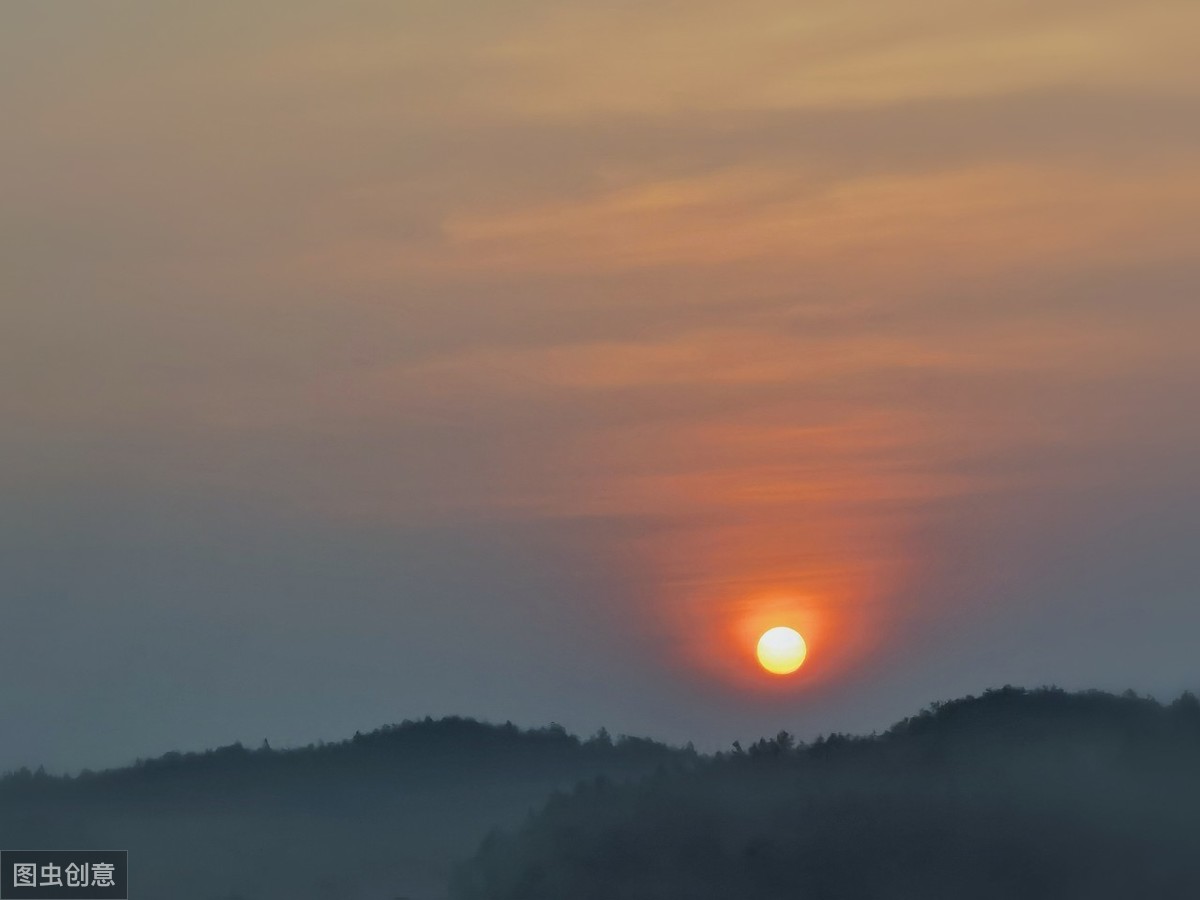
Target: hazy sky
525 360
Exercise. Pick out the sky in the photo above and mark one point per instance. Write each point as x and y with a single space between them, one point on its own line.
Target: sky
362 361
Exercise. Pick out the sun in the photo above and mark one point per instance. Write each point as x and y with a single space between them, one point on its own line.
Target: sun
781 650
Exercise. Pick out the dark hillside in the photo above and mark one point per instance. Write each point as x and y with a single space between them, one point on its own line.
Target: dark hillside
380 815
1014 794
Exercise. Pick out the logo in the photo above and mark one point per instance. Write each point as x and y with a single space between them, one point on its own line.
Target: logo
64 875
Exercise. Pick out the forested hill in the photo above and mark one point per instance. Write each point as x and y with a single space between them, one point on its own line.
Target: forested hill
412 753
381 815
1010 796
1014 794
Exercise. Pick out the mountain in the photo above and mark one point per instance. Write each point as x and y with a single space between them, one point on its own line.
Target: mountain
379 816
1014 795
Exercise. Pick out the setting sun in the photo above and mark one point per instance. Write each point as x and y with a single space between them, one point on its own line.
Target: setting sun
781 650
